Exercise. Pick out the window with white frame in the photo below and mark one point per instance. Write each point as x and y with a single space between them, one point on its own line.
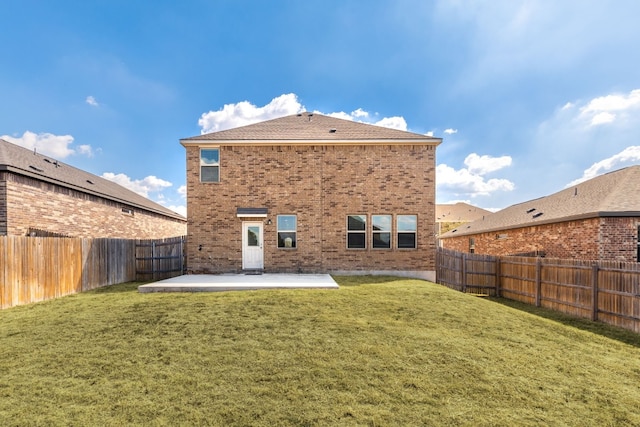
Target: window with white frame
407 229
356 231
287 231
381 231
209 165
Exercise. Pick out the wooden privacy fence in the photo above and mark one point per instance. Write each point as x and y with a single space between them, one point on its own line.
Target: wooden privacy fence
608 291
160 259
36 269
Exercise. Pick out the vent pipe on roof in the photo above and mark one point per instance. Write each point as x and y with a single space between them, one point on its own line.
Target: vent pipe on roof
575 192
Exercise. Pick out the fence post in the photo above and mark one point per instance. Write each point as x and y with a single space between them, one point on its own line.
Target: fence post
538 282
594 291
464 273
498 278
181 255
153 260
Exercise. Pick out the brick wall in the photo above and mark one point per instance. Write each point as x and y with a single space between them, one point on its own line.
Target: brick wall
321 185
594 238
30 203
619 238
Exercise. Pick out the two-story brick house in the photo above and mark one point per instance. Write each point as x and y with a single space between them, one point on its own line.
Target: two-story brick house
311 193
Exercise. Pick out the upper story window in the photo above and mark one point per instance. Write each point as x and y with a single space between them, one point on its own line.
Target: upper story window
356 231
407 226
209 165
287 237
381 231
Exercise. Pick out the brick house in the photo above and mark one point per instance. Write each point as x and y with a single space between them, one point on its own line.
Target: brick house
596 219
452 215
40 196
310 193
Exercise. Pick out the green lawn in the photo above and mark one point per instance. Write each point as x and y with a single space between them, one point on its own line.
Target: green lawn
379 351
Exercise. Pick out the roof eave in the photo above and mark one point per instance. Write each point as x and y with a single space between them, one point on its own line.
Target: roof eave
275 142
18 171
530 224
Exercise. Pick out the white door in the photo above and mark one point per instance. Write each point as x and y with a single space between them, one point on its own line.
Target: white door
252 254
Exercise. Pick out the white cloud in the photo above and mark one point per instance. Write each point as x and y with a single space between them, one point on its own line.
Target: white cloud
463 182
92 101
85 150
360 113
450 131
56 146
398 123
630 155
244 113
614 102
395 122
577 136
181 209
182 191
602 118
471 180
150 184
338 115
606 109
482 165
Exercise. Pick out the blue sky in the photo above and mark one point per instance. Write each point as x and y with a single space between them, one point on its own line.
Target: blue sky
529 96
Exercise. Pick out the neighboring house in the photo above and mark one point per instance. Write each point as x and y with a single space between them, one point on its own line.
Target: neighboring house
311 193
596 219
450 216
40 196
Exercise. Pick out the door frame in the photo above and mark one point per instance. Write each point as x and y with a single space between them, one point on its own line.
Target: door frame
257 250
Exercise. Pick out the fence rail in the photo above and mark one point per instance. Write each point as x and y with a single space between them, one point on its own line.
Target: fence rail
34 269
608 291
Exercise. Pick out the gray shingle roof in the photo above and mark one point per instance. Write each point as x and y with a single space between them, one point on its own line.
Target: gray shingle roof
615 194
22 161
312 127
459 212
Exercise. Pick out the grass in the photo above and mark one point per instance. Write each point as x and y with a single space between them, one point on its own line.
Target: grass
379 351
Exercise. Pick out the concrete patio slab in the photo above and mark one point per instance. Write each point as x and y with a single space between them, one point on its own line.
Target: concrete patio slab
238 282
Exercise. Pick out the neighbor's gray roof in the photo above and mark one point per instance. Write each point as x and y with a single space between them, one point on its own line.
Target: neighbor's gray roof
19 160
459 212
615 194
305 128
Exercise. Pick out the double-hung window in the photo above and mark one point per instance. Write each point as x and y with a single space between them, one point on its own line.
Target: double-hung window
356 232
381 231
209 165
407 226
287 233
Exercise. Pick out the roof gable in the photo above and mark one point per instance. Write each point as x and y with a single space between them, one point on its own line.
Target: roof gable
310 128
613 194
22 161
